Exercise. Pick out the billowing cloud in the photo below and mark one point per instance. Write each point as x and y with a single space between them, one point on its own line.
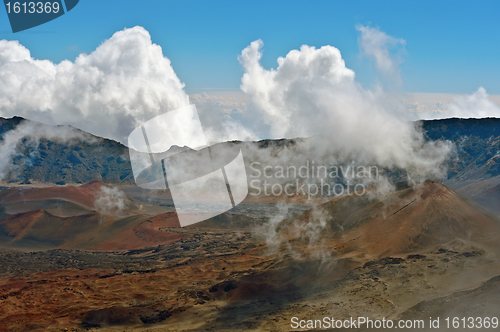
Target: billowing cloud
111 201
379 46
313 93
108 92
305 72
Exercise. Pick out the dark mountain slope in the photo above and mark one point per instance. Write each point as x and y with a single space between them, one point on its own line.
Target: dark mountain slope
75 161
478 145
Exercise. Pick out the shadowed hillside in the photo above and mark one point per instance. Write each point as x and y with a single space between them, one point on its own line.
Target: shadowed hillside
78 161
477 142
490 199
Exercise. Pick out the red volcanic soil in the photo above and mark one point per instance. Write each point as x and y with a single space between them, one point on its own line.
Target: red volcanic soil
82 298
46 229
86 196
139 237
406 221
168 219
83 195
90 231
298 200
139 233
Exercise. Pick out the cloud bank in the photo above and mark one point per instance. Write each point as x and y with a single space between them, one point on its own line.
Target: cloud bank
440 106
476 105
108 92
222 115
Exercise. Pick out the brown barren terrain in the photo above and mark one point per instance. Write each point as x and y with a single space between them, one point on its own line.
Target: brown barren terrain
402 255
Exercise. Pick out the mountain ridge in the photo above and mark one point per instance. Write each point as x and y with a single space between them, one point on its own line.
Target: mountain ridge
477 142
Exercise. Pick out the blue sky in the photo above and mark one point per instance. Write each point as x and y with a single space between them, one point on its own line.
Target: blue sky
451 46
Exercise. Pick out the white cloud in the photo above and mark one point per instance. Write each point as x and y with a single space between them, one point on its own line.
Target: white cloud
108 92
441 106
476 105
378 46
313 93
111 201
127 80
306 72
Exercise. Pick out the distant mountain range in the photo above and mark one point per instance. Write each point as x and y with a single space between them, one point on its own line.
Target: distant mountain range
478 147
475 169
55 162
475 172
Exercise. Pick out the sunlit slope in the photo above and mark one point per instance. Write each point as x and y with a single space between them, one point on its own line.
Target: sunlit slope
40 229
405 221
67 201
69 217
